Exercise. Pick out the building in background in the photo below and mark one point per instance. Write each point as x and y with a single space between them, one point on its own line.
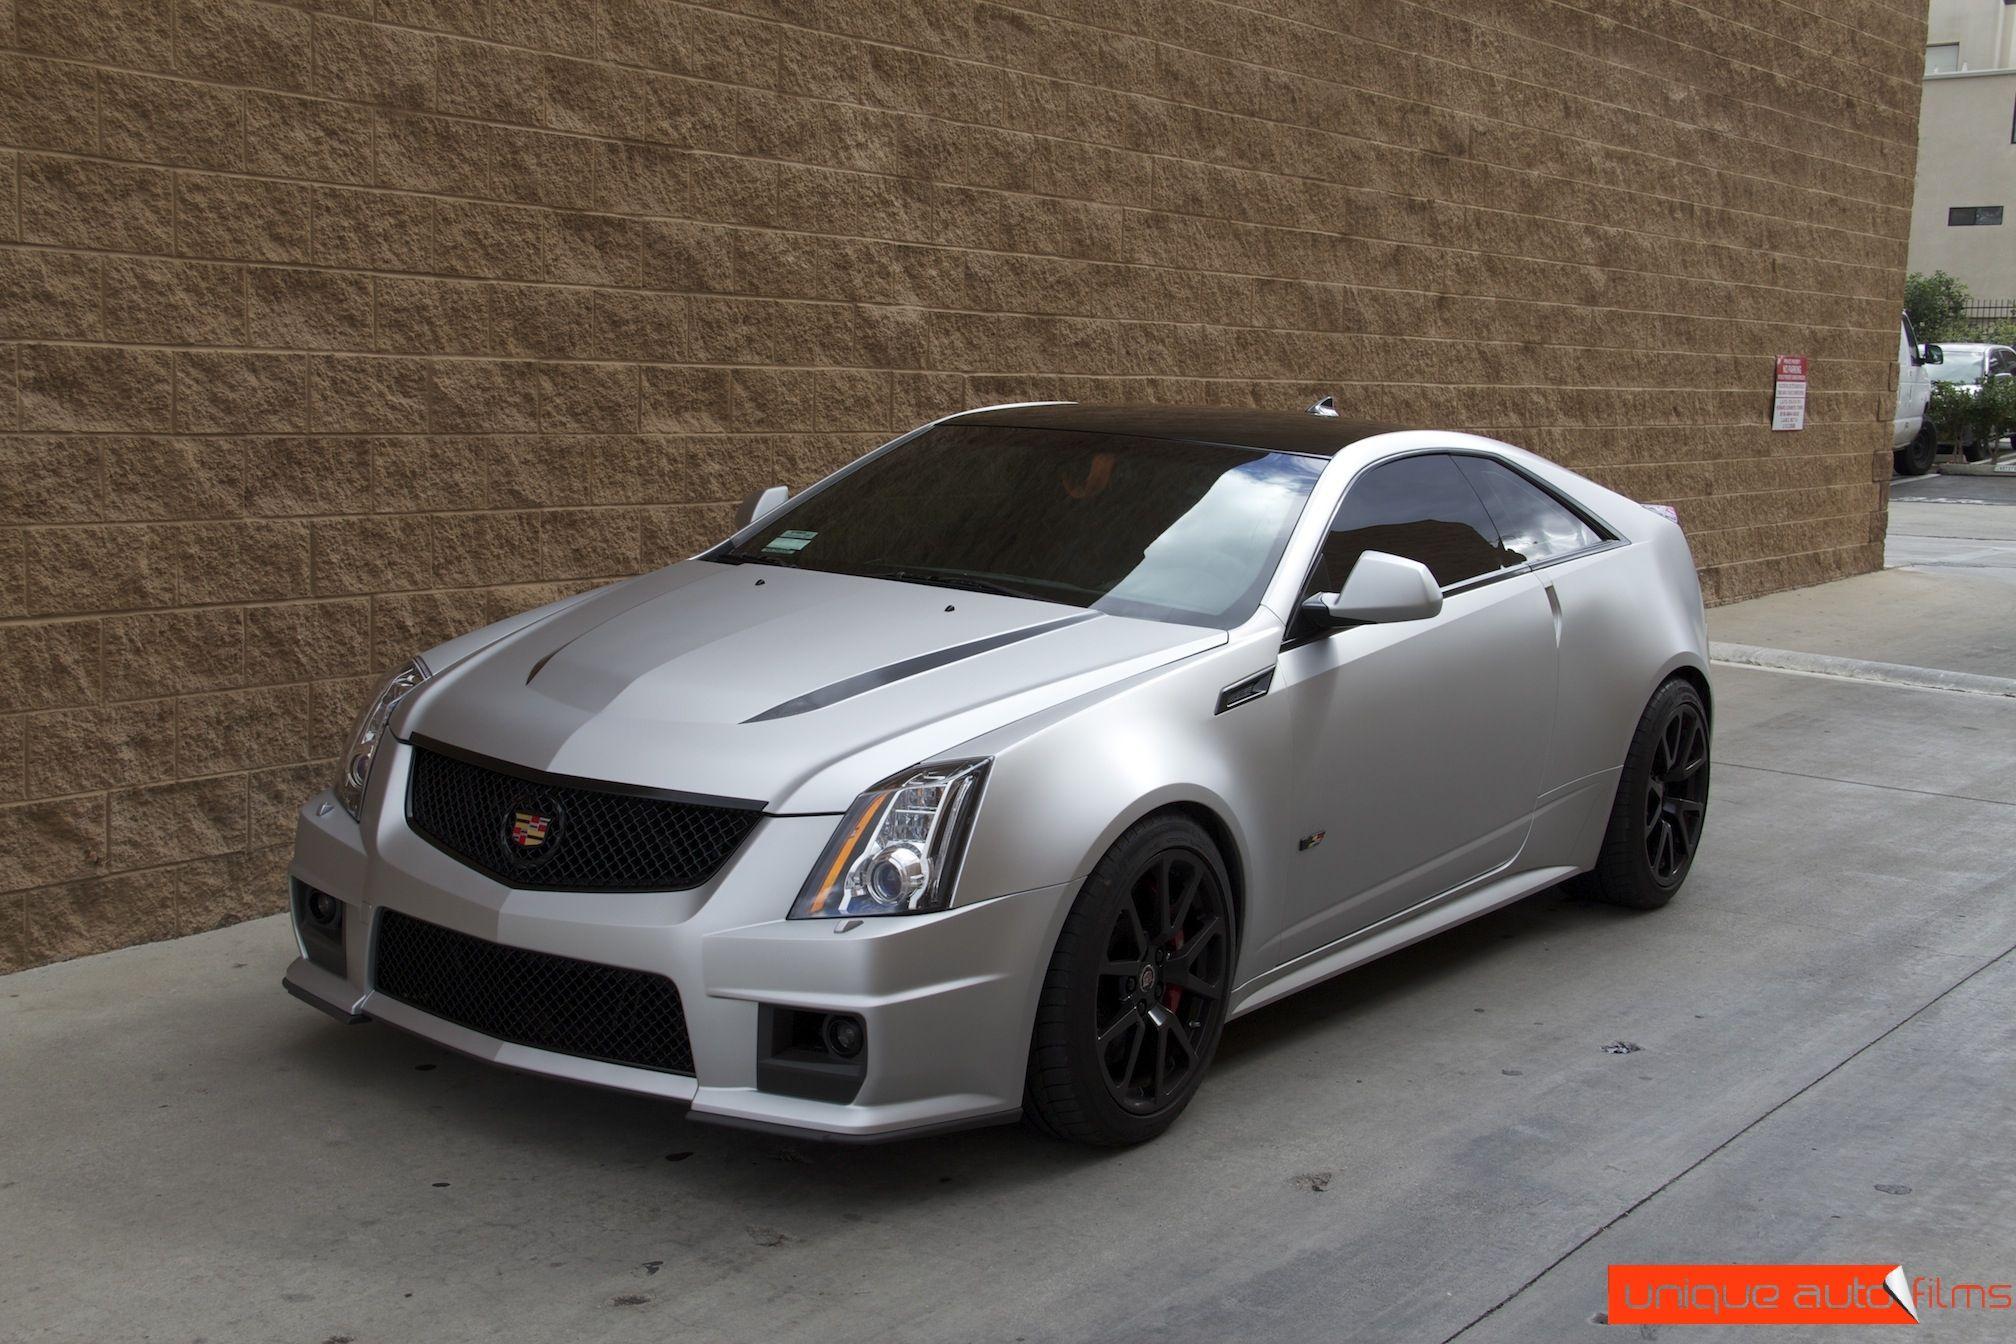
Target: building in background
1963 220
331 328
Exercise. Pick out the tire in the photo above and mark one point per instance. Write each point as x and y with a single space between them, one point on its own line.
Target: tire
1916 458
1977 452
1150 975
1661 806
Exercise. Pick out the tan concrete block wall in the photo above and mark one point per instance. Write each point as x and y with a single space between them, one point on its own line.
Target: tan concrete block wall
328 329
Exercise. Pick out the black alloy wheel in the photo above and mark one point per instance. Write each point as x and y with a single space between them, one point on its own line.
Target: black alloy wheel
1163 983
1661 804
1676 794
1134 998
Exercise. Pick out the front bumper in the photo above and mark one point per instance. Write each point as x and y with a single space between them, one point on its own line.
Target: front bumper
947 999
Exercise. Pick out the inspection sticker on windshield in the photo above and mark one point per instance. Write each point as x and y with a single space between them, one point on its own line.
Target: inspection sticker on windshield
789 543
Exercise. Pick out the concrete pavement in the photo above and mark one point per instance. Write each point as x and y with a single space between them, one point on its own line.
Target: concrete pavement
1438 1146
1944 601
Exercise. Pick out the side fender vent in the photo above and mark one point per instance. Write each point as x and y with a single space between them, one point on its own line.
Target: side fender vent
1239 692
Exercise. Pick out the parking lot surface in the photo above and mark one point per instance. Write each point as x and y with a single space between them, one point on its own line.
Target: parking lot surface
1821 1067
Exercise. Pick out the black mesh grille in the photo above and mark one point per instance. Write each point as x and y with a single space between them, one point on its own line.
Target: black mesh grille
588 839
533 998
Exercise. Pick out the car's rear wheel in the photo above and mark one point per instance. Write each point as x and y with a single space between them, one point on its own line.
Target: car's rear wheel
1134 998
1916 458
1978 452
1662 803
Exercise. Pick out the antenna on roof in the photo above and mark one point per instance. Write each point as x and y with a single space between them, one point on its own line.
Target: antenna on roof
1327 408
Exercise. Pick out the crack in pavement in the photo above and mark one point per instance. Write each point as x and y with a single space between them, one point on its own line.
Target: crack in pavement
1865 784
1701 1161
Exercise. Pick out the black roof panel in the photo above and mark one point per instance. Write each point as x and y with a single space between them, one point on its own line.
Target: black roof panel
1269 431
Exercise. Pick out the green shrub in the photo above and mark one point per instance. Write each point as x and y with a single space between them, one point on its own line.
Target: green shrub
1935 303
2001 332
1977 416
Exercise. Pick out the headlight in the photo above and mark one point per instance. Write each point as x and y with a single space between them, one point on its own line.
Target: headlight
370 727
897 850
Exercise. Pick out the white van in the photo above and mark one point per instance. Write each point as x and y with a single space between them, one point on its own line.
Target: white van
1914 442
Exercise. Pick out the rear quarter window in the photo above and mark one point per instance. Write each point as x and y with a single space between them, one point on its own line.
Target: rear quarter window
1532 524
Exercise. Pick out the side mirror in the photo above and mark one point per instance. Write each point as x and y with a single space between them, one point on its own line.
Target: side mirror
1380 589
757 503
1934 355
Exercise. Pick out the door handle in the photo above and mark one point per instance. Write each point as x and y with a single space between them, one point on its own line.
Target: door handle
1554 605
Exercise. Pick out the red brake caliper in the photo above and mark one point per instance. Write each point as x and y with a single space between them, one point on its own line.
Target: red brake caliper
1172 996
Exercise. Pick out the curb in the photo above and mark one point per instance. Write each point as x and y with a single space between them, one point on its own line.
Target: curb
1861 669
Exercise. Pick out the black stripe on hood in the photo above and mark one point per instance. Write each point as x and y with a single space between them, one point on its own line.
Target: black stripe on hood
849 687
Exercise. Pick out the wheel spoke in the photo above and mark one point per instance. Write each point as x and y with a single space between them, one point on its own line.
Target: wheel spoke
1161 1061
1194 945
1187 899
1122 970
1113 1029
1692 754
1190 983
1137 928
1687 817
1165 873
1134 1052
1661 846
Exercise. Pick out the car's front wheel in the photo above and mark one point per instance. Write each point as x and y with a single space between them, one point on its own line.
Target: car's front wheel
1661 805
1134 997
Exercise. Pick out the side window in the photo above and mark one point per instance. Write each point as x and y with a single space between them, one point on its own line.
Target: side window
1533 524
2002 361
1419 508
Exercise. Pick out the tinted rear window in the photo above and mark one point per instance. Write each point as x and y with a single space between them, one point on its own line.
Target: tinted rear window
1532 525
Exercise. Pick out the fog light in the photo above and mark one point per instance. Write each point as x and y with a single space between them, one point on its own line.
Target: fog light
318 918
843 1036
802 1052
324 909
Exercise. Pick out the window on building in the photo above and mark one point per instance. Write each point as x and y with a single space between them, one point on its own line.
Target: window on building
1962 215
1942 58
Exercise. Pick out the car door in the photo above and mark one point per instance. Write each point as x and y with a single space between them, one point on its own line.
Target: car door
1561 547
1417 745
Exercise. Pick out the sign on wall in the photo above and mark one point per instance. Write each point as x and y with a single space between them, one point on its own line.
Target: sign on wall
1788 400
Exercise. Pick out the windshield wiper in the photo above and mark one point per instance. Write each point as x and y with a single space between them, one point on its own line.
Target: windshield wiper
968 582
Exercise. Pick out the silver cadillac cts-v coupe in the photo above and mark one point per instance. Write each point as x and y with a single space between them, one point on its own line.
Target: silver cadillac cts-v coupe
997 772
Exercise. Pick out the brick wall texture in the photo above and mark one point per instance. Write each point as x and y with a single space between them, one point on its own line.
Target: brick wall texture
330 329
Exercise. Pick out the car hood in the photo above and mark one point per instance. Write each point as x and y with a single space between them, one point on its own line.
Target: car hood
791 688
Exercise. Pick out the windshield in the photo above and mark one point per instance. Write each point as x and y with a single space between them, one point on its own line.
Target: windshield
1961 366
1169 531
